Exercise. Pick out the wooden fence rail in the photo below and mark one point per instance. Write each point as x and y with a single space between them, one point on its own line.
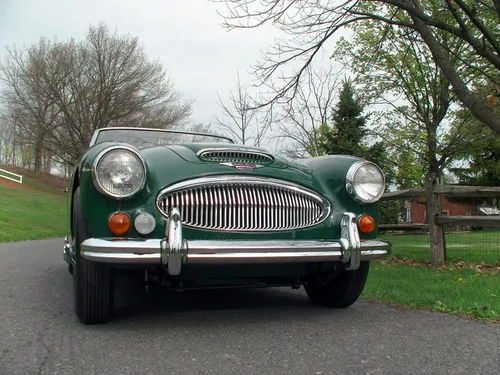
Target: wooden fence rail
448 190
405 227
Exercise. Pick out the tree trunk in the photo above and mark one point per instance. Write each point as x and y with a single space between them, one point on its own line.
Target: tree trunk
479 110
47 164
39 149
38 156
437 251
13 153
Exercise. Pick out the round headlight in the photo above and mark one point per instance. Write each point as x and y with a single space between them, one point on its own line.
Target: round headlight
119 172
365 182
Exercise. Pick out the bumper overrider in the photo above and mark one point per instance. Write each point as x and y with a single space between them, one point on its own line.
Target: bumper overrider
174 251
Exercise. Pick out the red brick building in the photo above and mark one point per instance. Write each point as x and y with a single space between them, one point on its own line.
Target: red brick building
416 212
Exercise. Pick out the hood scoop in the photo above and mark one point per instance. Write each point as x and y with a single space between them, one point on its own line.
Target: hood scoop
235 155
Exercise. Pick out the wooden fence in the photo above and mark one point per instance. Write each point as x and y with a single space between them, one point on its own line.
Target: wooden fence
436 220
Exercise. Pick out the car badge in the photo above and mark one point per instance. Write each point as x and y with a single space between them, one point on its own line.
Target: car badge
242 166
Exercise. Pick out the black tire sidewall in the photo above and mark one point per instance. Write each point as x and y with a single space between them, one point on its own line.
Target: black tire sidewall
342 291
80 233
83 267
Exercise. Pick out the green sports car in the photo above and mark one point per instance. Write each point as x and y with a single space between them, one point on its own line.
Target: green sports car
193 210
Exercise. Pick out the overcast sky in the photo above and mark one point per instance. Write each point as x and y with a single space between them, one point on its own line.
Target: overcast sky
199 55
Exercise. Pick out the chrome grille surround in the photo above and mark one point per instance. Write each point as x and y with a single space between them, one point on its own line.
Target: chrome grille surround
234 154
244 204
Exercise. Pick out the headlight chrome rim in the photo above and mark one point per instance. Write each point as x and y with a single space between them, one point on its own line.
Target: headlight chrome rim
351 174
97 182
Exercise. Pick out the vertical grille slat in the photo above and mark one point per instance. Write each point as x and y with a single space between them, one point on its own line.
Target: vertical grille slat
282 209
196 220
231 208
295 210
274 214
247 206
253 206
260 209
301 208
241 207
202 208
225 224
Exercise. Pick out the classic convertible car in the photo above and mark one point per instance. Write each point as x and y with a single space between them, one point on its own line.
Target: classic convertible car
195 210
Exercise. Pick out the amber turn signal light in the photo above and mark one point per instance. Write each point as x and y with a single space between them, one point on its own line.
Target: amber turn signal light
366 224
119 223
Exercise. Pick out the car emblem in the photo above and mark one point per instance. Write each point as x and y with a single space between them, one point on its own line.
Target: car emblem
242 166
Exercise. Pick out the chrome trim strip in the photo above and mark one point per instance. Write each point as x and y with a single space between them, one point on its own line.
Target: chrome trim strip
227 252
97 183
237 214
96 133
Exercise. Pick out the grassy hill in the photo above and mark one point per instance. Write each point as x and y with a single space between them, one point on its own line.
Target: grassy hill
37 209
39 181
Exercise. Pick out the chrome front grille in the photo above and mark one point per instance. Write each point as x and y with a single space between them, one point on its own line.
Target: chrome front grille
240 203
221 155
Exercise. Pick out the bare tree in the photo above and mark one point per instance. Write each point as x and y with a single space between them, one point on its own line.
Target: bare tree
8 140
310 24
301 119
63 91
239 120
6 137
28 109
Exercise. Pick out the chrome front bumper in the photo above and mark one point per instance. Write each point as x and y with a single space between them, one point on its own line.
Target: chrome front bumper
201 252
174 251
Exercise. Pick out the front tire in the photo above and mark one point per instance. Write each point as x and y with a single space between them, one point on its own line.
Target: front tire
93 282
340 292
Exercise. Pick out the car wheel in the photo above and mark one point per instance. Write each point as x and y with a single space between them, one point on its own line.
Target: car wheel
93 282
341 291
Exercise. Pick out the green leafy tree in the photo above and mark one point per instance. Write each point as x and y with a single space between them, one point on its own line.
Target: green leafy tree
390 212
348 133
395 67
348 125
482 159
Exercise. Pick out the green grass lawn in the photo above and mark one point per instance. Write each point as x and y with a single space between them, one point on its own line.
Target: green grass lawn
475 246
452 290
30 214
42 187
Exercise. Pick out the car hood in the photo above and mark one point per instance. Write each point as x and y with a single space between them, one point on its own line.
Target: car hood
167 165
173 163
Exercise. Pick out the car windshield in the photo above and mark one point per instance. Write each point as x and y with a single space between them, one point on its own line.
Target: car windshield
142 138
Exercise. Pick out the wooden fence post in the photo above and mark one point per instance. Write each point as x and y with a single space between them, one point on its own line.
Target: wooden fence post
437 251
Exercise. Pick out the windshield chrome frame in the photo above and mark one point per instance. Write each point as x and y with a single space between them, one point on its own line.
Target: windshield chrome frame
98 131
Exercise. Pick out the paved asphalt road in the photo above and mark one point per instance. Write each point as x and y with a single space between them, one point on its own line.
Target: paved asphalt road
265 331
